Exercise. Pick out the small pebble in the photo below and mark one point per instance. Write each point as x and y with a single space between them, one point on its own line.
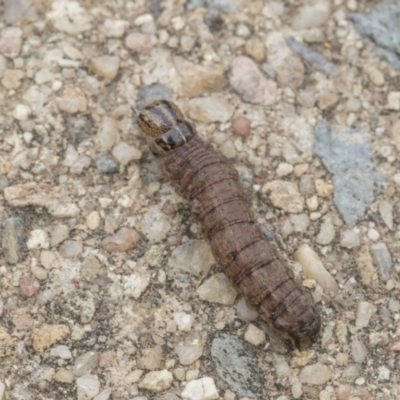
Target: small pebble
326 233
21 112
386 211
373 234
71 249
349 239
284 195
12 78
210 109
297 391
284 169
183 321
383 259
124 153
383 373
93 220
300 222
151 358
255 48
49 259
140 42
359 351
300 169
393 101
314 269
323 188
59 233
241 126
245 311
106 164
201 389
364 312
251 85
104 395
39 272
13 239
11 41
254 335
85 363
87 387
375 76
316 374
228 149
63 375
123 240
105 66
115 27
312 203
73 101
29 285
157 381
217 289
62 352
38 239
44 76
187 43
46 335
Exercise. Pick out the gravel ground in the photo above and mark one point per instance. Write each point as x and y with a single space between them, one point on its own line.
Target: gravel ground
107 290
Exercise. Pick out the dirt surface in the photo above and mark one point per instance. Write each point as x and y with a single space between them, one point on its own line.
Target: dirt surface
107 289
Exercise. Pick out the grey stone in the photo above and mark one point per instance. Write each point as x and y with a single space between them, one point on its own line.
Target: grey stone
351 373
382 26
318 61
383 259
347 156
85 363
106 165
237 366
13 239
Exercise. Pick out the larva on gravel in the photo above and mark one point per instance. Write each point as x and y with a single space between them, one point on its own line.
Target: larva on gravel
218 203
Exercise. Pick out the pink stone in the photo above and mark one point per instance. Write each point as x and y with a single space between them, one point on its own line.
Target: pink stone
10 42
241 126
72 101
29 285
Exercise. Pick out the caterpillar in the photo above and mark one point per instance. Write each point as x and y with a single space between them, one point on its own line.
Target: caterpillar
218 203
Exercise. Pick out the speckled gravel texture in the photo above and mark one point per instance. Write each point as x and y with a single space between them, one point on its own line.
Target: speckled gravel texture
107 289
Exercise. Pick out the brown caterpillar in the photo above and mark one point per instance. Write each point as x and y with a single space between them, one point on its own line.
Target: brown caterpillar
218 202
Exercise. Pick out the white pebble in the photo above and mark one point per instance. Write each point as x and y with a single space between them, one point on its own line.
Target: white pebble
200 389
284 169
373 234
87 387
183 321
61 351
21 112
314 269
312 203
38 239
124 153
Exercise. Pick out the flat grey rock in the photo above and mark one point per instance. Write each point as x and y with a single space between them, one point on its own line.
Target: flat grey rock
318 61
347 156
237 366
382 26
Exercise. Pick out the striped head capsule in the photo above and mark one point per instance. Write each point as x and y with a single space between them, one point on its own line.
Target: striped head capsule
164 126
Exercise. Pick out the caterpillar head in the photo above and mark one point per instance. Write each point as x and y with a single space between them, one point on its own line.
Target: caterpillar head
164 126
